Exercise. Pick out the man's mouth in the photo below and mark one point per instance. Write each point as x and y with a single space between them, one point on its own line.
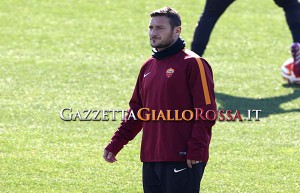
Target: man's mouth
154 38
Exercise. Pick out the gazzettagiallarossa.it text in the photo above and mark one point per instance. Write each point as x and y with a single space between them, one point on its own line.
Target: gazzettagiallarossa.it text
146 114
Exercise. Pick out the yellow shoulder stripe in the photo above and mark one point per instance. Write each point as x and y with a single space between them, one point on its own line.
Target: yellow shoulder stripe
204 82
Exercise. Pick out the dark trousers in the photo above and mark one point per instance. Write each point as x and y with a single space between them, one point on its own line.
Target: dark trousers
172 177
215 8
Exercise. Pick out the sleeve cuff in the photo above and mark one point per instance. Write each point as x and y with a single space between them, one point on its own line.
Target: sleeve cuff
198 154
114 148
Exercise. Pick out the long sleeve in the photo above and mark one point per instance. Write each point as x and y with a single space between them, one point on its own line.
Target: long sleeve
201 87
129 128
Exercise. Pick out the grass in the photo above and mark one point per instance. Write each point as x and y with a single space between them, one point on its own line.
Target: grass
87 55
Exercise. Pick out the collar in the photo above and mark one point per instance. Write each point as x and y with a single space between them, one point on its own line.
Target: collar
175 48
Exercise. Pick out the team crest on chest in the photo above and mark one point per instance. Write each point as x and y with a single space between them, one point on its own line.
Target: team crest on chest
169 72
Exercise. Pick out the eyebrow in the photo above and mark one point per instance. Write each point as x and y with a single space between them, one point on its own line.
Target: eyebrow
157 25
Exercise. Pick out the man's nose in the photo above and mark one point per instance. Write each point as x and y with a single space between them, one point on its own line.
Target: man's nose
152 32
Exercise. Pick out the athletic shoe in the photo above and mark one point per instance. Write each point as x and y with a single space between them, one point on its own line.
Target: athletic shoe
295 49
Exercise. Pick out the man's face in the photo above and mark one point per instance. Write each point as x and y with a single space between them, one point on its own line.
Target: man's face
161 33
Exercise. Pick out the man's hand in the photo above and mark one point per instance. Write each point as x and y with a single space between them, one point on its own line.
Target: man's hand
191 162
109 157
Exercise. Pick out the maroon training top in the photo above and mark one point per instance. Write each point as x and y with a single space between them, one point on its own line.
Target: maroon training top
182 81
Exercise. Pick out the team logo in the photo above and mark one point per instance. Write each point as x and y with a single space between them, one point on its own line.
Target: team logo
169 72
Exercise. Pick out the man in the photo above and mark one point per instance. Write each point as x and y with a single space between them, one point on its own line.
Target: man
215 8
174 80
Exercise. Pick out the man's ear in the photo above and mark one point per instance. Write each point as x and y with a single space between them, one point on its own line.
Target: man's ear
177 30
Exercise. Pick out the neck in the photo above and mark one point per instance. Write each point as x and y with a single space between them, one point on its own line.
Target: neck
160 49
174 48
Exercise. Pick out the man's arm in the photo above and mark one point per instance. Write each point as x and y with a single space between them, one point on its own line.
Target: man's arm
128 129
201 86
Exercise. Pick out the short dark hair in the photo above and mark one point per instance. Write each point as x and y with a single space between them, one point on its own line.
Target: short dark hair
172 14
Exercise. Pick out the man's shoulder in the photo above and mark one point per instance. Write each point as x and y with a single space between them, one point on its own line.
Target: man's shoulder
147 62
193 58
190 55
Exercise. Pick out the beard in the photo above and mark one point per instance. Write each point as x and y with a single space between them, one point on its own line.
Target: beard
163 43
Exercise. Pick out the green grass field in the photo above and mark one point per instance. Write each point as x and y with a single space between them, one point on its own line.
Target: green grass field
87 55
